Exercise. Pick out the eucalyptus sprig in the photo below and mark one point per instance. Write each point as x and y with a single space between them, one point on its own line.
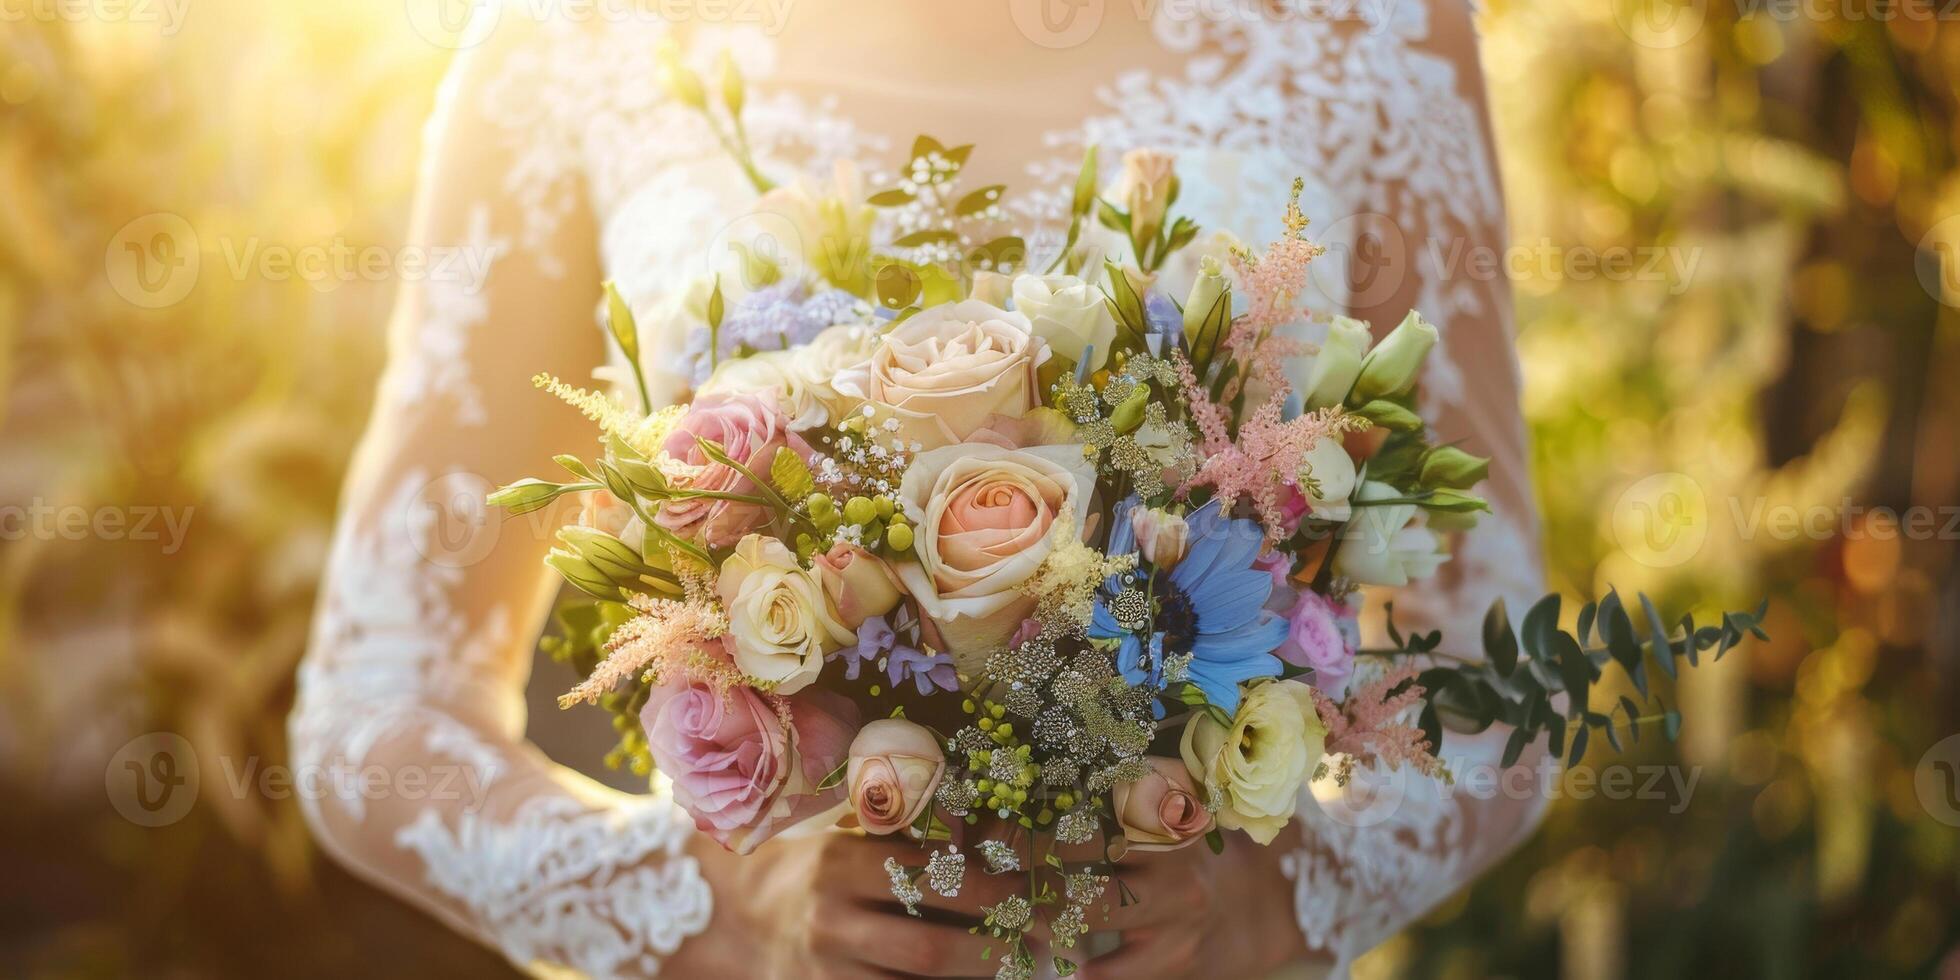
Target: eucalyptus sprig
1526 667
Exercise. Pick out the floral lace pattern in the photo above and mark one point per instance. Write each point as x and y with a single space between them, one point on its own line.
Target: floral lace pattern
420 654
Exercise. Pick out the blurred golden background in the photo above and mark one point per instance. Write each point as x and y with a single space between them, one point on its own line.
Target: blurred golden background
1769 407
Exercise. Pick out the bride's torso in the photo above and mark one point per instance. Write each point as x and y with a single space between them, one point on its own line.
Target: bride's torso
1346 96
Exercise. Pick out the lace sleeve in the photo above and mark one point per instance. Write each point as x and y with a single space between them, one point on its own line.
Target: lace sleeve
410 712
1382 851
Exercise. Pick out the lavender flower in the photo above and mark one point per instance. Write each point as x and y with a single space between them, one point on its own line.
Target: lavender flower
775 317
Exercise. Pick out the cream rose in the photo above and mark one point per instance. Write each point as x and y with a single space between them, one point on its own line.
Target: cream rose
982 517
1069 314
1163 811
1143 188
781 623
895 765
1257 766
943 372
801 378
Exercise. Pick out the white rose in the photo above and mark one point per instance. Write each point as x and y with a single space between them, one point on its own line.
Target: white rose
983 518
1254 769
1382 545
777 615
1069 314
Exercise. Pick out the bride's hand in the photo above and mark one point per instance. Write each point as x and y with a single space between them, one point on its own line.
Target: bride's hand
821 906
1201 914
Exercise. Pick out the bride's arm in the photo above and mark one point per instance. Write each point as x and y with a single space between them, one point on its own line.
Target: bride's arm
410 716
411 699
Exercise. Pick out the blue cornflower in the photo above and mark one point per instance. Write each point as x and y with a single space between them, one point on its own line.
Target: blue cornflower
1211 606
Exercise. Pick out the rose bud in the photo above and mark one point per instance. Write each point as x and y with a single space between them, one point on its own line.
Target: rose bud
1162 536
858 583
1162 811
895 766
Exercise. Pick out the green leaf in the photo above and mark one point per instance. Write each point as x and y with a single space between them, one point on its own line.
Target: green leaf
1216 841
1633 716
1500 643
977 201
1514 747
1085 185
1657 636
791 475
1586 615
1540 625
1579 734
574 466
891 199
1000 255
931 236
897 286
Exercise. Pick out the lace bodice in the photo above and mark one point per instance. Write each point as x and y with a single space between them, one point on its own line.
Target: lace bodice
554 162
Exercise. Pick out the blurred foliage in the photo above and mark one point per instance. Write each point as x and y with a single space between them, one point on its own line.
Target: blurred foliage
1803 167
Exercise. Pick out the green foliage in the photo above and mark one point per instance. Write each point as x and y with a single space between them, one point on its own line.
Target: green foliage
1528 669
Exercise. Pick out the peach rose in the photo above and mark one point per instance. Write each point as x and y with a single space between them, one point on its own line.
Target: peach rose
895 765
982 517
859 584
943 372
1162 811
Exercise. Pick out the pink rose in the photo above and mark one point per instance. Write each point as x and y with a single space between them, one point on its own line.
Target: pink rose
859 584
1322 636
738 768
1162 811
895 767
751 428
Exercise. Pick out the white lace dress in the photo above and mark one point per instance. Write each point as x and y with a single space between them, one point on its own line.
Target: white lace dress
554 162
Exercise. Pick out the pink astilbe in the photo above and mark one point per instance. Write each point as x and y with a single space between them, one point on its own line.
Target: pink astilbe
1272 281
1263 462
1367 727
677 639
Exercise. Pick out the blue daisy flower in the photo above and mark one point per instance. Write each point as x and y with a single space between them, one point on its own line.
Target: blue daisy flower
1211 606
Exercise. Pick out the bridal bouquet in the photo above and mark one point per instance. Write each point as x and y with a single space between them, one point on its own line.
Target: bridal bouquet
1034 569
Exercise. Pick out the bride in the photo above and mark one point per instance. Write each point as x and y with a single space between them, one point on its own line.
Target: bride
556 156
